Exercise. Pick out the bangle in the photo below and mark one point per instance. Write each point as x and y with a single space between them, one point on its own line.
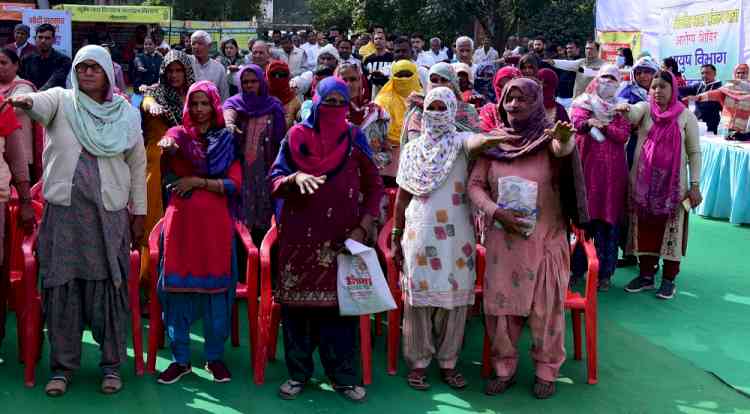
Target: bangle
396 232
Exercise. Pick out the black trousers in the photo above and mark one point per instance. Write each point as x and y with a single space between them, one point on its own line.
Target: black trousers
335 337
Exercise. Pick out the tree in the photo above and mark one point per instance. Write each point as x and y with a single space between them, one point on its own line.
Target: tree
205 10
329 13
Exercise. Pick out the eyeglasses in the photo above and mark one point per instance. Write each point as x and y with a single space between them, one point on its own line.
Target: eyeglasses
279 75
84 67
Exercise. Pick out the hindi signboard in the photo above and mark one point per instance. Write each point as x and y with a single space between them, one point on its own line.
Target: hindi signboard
703 33
119 14
58 18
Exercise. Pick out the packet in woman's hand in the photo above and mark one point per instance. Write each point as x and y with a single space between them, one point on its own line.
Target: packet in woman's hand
519 195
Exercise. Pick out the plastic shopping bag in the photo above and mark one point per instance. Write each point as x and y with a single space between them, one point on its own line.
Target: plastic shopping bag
362 288
519 195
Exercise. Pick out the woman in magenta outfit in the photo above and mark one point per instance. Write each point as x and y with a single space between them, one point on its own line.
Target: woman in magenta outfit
489 115
601 138
331 191
197 269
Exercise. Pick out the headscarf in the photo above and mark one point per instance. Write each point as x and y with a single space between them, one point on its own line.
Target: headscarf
427 161
549 86
483 81
644 63
319 144
489 115
103 129
360 107
279 87
220 152
167 96
507 72
446 71
531 137
392 97
331 50
657 185
601 107
463 67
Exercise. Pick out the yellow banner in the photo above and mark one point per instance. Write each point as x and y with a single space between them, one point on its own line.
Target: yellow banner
611 41
118 14
242 32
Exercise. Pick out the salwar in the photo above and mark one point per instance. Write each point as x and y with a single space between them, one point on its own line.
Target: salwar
547 351
69 308
182 309
432 332
650 239
606 239
335 337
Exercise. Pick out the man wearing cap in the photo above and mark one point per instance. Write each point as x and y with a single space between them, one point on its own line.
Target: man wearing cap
21 46
328 60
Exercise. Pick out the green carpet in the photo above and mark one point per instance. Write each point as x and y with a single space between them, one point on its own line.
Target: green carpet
653 357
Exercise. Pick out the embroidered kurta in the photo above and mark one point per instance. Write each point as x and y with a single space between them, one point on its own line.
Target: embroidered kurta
604 166
313 228
439 245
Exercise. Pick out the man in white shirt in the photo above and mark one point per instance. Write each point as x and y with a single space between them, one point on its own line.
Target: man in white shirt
295 57
260 54
311 49
486 53
465 52
585 69
206 68
329 57
436 54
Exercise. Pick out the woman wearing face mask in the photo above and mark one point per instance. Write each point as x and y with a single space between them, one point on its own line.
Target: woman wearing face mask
624 62
196 278
555 112
489 115
531 185
368 116
323 170
441 74
665 178
278 87
258 122
392 97
601 136
433 241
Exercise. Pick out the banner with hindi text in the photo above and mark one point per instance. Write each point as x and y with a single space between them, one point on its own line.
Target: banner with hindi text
703 33
59 19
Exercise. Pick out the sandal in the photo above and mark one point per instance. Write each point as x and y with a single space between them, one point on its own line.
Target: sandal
453 378
543 389
111 383
418 380
291 389
57 386
354 393
497 385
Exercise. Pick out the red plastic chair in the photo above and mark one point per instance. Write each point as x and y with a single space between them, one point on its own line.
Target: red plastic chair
585 305
248 290
270 317
28 302
390 193
393 276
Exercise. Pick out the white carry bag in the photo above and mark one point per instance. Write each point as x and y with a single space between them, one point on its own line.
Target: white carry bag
362 288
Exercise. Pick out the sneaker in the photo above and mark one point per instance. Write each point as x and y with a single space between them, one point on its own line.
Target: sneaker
173 373
604 285
353 393
639 284
666 290
291 389
219 371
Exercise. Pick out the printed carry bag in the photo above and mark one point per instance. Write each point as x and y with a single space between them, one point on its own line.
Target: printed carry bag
362 288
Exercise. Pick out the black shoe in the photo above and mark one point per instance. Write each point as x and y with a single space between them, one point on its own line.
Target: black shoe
639 284
604 285
627 261
173 373
666 290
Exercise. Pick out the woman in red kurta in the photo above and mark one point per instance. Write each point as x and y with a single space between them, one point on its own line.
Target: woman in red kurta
197 268
331 190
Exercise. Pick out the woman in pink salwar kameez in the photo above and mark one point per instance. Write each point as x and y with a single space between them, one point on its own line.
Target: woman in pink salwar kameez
527 250
602 134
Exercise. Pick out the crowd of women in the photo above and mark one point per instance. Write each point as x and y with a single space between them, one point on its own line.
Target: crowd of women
513 174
